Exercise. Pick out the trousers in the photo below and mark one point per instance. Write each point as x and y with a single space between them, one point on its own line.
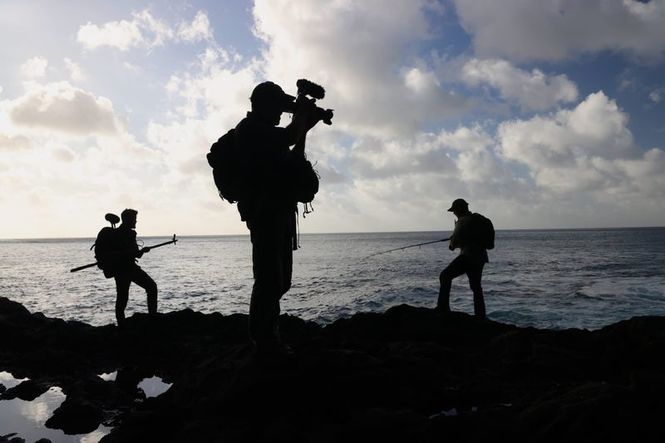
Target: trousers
272 267
123 279
473 269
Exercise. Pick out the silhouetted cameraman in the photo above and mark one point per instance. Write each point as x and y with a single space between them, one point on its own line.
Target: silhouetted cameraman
269 208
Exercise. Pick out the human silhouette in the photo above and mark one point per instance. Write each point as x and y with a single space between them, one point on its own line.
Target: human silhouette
473 235
124 253
270 203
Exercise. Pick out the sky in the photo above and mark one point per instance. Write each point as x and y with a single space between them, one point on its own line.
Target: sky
541 114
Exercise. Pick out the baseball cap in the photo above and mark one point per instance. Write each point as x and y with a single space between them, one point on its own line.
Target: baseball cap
459 203
269 92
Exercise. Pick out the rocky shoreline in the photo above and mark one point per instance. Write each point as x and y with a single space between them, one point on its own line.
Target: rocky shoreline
407 374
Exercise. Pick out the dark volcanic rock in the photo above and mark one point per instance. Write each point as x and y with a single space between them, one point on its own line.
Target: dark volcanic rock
27 390
408 374
75 417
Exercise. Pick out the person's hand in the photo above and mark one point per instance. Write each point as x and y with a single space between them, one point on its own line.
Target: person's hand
451 247
144 250
305 117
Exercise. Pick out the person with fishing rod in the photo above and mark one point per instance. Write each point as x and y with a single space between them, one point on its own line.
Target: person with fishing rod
473 235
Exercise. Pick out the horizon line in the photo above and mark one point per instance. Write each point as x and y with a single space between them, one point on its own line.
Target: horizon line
3 239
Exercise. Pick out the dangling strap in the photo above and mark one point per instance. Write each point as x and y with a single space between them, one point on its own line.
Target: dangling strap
306 210
296 234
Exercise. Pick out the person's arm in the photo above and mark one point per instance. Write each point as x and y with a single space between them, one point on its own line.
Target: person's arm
136 252
304 119
299 148
455 238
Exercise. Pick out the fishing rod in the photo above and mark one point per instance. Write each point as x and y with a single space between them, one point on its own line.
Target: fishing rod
173 240
410 246
90 265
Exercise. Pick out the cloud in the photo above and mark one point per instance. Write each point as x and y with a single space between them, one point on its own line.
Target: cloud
585 149
12 143
34 68
143 30
531 90
75 71
528 30
215 90
63 155
120 35
63 107
198 29
364 54
657 95
391 160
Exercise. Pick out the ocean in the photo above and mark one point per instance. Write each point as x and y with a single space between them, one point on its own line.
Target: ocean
543 278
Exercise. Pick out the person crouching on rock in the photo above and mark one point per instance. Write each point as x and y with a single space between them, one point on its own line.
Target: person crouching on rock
473 235
126 269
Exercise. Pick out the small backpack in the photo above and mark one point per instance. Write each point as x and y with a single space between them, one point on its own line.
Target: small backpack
304 180
484 229
104 244
224 159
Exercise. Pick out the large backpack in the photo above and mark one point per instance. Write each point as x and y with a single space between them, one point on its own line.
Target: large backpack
224 159
103 246
231 178
484 229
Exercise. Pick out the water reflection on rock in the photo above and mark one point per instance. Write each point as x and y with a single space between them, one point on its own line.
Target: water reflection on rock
26 419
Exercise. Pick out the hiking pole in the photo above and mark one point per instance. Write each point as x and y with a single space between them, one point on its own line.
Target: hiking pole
410 246
90 265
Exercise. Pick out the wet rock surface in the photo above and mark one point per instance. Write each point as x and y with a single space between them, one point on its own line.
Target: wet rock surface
408 374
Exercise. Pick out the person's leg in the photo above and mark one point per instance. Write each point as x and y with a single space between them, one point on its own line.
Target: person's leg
286 258
122 283
284 266
456 268
141 278
266 265
475 274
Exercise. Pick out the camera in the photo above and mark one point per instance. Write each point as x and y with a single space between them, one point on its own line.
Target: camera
307 89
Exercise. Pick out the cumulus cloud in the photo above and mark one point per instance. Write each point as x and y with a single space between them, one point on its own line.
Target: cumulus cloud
198 29
119 34
63 155
75 71
217 90
555 30
657 95
362 52
34 68
385 164
588 148
531 90
143 30
63 107
15 142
